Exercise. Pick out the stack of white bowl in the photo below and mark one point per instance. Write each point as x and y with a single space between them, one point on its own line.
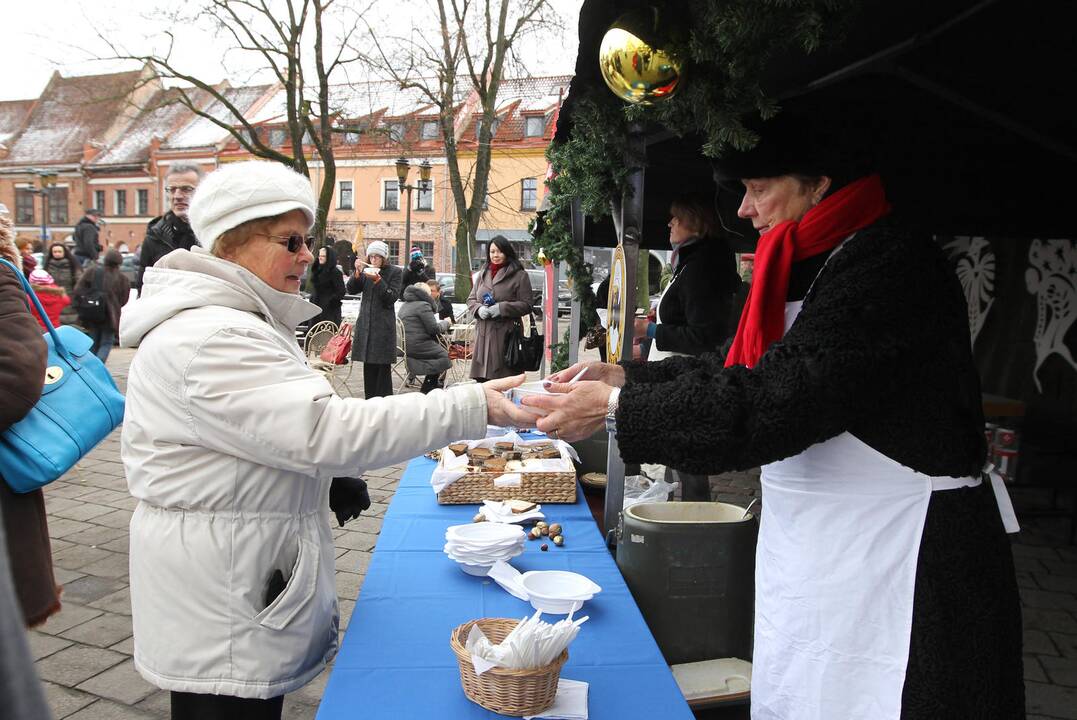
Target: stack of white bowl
477 546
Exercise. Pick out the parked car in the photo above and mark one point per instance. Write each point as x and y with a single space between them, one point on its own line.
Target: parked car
130 267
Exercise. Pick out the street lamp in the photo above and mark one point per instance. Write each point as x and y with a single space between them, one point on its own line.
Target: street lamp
47 179
402 168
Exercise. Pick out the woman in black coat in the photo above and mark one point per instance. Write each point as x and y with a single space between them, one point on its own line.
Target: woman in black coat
326 286
374 343
693 313
117 289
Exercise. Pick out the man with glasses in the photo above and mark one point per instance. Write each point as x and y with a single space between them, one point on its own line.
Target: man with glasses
171 231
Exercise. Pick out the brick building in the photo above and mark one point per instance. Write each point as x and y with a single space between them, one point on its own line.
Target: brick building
107 141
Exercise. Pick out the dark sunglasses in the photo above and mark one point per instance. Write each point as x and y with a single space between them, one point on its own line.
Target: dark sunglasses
294 241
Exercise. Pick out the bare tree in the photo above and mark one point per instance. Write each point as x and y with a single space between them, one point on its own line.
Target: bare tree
458 65
288 39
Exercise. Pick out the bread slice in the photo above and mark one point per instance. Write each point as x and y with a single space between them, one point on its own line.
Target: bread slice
520 506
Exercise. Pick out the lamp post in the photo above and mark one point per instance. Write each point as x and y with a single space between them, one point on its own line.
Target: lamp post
402 168
47 178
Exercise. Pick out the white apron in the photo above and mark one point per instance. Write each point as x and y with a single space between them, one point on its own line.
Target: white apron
835 573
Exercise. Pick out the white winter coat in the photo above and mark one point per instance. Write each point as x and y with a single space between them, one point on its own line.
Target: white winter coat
229 443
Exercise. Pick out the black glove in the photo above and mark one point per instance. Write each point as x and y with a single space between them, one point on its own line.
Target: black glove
347 498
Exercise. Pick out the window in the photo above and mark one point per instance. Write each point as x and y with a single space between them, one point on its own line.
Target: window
344 201
396 132
277 136
394 252
351 137
24 206
528 194
424 199
143 201
535 126
390 195
99 200
307 139
58 206
430 130
120 202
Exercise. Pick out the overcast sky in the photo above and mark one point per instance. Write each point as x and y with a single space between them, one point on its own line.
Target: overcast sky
48 35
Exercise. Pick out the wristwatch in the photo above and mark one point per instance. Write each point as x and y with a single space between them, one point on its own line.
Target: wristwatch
611 410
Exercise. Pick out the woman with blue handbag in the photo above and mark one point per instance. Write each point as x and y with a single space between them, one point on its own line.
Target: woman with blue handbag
22 372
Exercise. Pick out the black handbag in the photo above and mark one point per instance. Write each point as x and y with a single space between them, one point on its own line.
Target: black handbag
91 304
523 353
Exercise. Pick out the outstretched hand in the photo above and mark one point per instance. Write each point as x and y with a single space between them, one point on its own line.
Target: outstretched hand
499 410
573 411
613 375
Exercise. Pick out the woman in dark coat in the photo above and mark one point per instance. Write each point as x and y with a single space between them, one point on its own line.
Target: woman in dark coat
501 294
66 271
117 290
885 583
374 343
693 313
22 369
426 356
326 286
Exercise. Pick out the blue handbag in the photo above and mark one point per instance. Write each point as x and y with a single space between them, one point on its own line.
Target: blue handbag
79 406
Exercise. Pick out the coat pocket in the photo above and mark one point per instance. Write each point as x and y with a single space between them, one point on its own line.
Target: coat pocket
297 593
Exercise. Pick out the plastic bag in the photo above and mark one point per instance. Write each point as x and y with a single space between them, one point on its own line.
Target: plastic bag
649 486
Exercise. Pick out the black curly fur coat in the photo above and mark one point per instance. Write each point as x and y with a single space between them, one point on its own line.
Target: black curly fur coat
881 350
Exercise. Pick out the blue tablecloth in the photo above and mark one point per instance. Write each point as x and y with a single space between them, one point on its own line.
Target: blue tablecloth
395 662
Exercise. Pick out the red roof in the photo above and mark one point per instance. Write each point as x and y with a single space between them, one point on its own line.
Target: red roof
71 112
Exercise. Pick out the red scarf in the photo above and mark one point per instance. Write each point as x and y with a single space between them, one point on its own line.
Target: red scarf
493 270
822 228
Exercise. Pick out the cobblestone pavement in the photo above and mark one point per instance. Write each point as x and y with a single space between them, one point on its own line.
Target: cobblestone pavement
83 653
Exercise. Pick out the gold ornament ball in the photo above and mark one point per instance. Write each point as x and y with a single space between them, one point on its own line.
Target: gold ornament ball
635 71
541 257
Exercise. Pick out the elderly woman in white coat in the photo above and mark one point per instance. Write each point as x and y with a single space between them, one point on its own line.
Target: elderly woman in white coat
231 443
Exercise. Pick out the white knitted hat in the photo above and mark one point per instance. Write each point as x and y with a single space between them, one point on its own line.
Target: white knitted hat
378 248
244 191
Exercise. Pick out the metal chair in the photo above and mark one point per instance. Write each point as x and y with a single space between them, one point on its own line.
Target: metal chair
400 367
314 343
460 349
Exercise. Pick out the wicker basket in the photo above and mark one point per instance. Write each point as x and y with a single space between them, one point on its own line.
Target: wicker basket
536 487
509 692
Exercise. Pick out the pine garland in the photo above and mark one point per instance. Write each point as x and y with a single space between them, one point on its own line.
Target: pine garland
725 46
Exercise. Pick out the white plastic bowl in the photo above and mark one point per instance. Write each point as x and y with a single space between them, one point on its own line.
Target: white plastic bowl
558 592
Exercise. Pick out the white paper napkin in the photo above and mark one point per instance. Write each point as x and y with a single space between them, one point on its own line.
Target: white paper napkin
570 703
508 578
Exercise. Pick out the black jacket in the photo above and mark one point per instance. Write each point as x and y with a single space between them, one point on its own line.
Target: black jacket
445 309
417 271
327 287
881 349
87 246
695 307
164 234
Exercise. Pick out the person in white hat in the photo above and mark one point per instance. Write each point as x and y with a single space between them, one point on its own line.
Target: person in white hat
374 341
231 444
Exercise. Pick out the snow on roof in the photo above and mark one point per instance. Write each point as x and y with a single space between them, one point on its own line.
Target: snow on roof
12 115
355 100
161 116
71 112
202 132
535 94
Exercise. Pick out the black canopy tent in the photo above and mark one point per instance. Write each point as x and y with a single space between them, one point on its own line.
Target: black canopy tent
966 105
